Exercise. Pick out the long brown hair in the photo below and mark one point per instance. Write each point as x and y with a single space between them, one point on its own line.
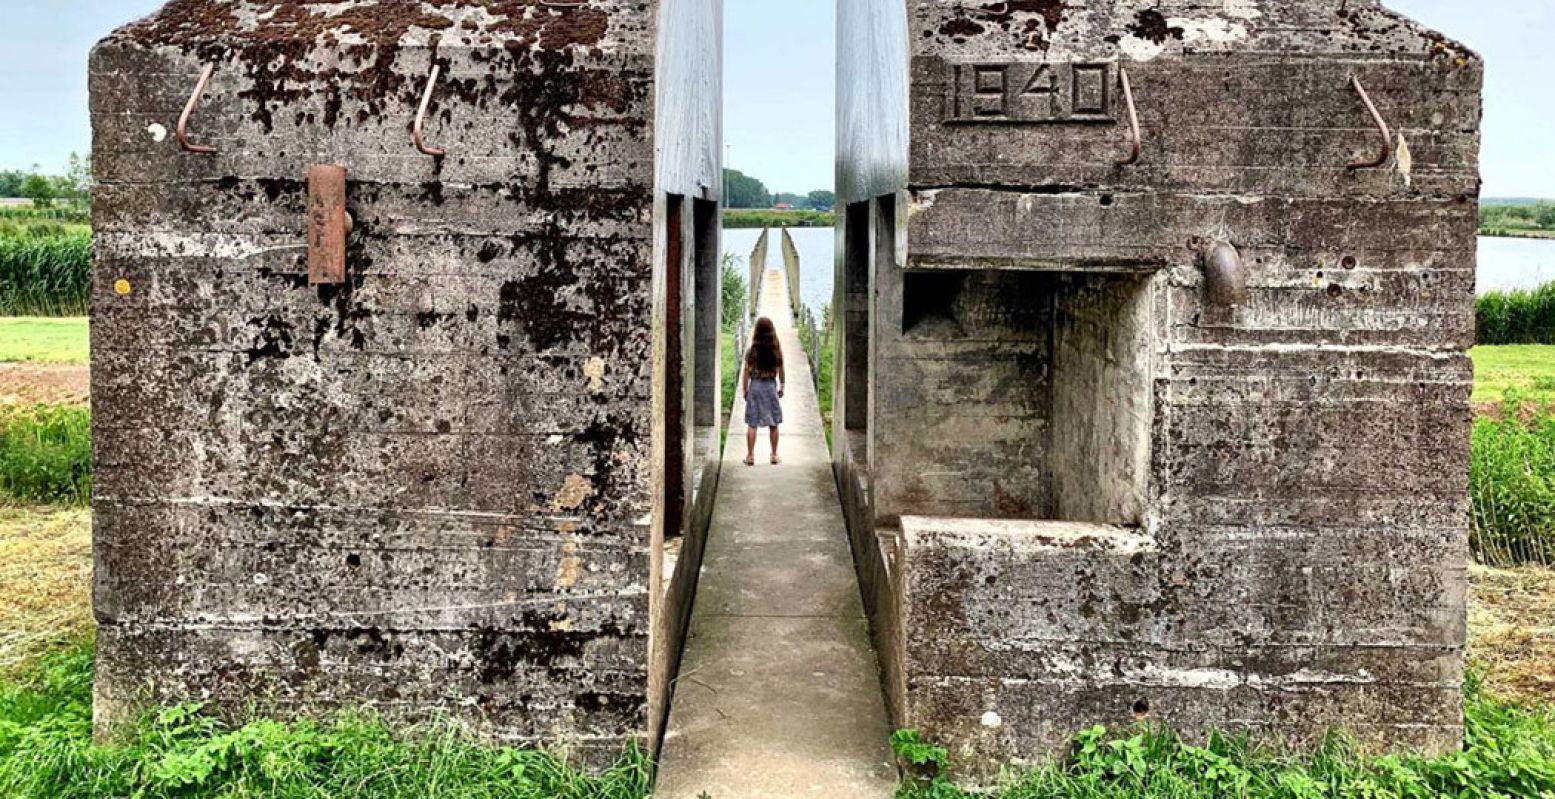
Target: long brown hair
766 354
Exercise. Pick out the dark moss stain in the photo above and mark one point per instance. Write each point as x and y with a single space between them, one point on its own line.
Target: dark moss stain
371 641
1050 11
429 319
1151 25
501 653
273 339
276 188
1031 21
962 27
604 438
558 305
350 316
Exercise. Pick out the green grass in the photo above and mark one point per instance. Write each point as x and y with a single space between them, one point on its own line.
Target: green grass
26 214
765 218
44 339
1509 753
1512 488
1527 369
729 368
46 454
47 752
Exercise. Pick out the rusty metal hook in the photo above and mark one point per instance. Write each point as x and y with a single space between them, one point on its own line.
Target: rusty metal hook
183 119
1382 129
1133 122
421 116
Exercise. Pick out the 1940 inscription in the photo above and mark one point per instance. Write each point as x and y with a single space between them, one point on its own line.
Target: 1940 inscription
1030 92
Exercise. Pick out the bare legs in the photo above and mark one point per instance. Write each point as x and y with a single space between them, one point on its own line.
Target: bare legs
750 446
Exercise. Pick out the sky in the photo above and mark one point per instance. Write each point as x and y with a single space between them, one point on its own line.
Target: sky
779 84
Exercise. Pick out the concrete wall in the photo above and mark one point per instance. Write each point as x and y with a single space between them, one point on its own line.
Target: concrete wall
1102 361
428 489
1273 494
688 147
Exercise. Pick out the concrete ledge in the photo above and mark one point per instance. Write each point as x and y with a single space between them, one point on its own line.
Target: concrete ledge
1027 536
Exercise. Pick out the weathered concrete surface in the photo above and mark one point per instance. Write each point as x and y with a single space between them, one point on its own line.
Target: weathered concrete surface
430 489
778 695
1041 349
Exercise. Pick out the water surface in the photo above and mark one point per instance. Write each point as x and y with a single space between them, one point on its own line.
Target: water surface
1503 263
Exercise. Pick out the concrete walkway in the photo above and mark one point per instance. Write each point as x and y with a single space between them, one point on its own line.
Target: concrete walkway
778 695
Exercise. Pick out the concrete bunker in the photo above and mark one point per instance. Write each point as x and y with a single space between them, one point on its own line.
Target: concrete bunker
465 462
464 465
1165 349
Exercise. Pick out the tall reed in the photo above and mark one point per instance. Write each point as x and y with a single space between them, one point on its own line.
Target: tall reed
1521 316
45 275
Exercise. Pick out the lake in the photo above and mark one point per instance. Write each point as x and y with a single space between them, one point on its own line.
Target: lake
1503 263
1515 263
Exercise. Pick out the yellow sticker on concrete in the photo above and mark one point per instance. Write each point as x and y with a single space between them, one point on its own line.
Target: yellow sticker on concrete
121 287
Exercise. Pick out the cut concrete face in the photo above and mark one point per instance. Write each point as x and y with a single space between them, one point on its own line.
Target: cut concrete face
438 487
1085 482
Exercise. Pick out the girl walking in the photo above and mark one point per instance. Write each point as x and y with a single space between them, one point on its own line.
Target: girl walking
763 388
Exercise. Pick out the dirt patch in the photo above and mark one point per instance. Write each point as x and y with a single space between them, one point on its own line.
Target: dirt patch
1526 412
1512 631
30 384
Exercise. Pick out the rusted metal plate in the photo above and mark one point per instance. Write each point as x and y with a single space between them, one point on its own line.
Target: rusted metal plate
328 224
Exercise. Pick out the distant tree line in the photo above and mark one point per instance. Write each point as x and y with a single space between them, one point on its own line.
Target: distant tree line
75 186
743 191
1507 219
